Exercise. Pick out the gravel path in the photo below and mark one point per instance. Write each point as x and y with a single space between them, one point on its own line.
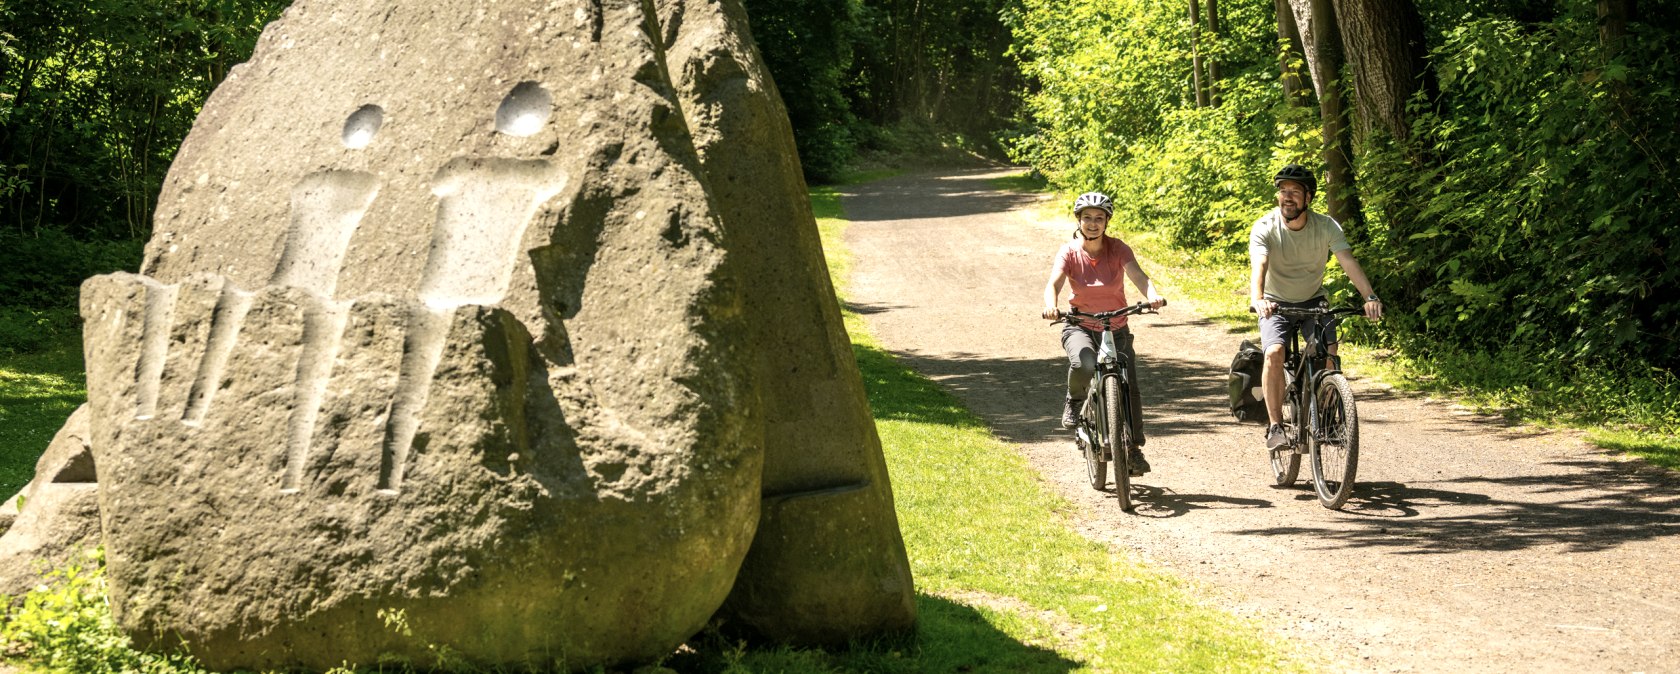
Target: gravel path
1469 545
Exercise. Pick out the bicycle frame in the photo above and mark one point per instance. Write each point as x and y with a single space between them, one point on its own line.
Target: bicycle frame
1306 348
1312 375
1110 363
1099 437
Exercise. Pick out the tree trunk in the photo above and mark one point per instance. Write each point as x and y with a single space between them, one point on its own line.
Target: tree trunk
1292 61
1213 63
1196 55
1613 17
1316 20
1385 43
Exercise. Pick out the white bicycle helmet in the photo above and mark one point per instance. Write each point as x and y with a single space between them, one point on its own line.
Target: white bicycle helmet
1093 200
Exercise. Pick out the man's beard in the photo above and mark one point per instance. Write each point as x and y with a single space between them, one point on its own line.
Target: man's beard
1291 212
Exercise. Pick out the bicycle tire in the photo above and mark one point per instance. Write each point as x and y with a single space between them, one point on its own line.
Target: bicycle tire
1286 464
1333 442
1096 469
1119 439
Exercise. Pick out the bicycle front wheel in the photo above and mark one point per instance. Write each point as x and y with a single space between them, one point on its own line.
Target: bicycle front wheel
1119 439
1333 441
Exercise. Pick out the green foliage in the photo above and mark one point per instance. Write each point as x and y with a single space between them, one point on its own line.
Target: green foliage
924 80
95 97
1114 112
44 269
1536 210
65 626
40 275
807 45
99 95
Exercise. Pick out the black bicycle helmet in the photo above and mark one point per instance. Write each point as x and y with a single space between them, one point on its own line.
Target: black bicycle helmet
1297 173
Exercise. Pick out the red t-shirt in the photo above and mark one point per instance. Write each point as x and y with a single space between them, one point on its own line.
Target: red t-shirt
1097 283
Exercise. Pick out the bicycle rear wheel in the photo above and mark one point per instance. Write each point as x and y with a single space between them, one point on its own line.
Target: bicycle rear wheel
1119 439
1333 442
1096 468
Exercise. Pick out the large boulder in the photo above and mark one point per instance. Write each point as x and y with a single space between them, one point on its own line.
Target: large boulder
54 516
437 348
828 563
432 351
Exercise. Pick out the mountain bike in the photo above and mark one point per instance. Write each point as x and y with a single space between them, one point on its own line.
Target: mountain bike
1319 417
1105 426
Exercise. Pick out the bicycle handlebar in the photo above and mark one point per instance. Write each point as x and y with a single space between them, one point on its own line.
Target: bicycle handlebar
1304 312
1309 312
1139 308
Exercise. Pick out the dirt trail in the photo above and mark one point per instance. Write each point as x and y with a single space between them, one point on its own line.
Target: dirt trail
1470 544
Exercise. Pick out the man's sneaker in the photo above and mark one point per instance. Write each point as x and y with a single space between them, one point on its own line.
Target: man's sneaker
1275 436
1139 464
1070 413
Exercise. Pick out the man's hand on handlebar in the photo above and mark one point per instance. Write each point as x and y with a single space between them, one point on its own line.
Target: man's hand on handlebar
1263 307
1373 308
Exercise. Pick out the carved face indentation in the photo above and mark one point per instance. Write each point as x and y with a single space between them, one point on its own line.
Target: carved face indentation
525 110
362 126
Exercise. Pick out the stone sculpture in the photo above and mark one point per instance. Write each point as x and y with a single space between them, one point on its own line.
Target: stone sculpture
499 330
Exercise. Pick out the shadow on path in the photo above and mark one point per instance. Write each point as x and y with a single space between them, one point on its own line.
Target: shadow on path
949 195
1587 506
1584 504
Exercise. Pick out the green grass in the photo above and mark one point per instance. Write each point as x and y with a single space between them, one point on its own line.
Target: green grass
38 391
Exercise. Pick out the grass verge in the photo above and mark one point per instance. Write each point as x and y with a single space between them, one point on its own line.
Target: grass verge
38 391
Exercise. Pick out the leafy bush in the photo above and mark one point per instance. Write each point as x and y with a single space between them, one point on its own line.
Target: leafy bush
1537 209
1115 113
45 270
65 626
40 277
25 330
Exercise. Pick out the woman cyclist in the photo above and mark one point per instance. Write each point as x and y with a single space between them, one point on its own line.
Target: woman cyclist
1095 265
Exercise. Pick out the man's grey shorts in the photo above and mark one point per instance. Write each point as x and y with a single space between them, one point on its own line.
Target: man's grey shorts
1277 329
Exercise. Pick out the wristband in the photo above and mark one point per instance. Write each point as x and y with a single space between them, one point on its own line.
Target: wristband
1372 298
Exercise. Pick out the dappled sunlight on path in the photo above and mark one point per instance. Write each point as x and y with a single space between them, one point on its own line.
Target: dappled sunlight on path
1470 544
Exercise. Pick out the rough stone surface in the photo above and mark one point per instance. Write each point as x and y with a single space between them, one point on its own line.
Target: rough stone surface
436 348
828 563
59 513
433 325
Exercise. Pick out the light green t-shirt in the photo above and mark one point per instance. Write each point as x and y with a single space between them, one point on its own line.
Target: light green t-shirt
1295 260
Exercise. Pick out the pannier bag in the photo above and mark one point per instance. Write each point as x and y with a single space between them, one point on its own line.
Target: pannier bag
1244 384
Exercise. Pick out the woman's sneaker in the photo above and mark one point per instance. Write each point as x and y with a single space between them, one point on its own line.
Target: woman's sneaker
1070 414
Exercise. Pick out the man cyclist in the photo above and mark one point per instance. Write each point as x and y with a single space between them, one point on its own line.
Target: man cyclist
1096 266
1287 249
